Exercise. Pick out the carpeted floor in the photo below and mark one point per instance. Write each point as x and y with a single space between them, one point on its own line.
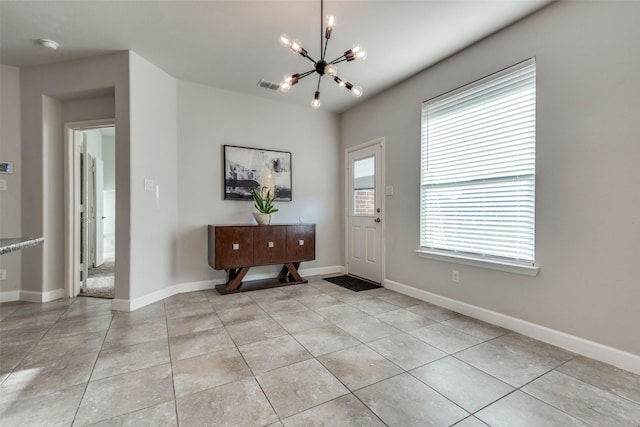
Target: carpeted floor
353 283
100 283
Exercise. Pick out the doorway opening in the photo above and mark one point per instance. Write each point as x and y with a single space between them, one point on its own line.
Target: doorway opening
91 210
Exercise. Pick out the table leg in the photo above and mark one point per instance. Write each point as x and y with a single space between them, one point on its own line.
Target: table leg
234 278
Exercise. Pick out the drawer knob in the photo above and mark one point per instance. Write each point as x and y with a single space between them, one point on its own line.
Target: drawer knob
270 244
236 246
301 242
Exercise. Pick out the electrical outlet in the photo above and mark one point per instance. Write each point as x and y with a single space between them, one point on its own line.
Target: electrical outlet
455 276
3 274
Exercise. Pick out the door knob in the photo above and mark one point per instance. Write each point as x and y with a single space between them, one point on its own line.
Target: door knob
377 220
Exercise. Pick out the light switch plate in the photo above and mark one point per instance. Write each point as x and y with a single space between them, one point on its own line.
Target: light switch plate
388 190
236 246
300 242
149 185
3 184
3 274
270 244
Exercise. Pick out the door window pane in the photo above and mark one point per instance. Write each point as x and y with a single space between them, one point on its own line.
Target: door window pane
364 192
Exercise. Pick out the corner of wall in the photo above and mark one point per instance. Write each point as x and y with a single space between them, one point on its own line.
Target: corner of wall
11 197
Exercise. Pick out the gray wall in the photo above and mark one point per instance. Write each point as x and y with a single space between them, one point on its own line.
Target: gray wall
88 107
52 273
164 244
153 95
41 89
209 118
10 200
109 158
587 197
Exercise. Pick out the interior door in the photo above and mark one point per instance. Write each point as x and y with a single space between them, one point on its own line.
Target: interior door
364 239
91 210
85 219
77 172
99 221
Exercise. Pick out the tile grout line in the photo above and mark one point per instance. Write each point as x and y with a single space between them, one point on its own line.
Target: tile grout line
173 379
75 415
350 392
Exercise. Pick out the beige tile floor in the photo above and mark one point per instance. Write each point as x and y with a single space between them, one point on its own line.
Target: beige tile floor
303 355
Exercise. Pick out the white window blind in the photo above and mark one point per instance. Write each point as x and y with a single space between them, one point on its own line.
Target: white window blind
478 168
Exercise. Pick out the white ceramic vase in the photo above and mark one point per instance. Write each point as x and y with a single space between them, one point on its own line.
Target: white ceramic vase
262 218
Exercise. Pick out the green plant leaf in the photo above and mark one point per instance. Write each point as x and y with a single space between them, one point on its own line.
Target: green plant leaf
263 204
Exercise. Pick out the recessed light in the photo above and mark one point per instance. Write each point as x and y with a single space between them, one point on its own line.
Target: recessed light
49 44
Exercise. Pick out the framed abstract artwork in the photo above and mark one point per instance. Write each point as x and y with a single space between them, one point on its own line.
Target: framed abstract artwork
246 168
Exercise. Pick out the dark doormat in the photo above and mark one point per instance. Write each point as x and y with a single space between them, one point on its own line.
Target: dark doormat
353 283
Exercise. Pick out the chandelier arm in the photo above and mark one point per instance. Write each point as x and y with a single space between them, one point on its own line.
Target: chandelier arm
345 84
306 55
325 48
319 80
338 60
305 74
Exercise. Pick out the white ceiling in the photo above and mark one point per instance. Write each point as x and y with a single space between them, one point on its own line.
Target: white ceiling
233 44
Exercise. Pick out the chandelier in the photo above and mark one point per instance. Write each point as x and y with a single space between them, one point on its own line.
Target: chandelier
322 66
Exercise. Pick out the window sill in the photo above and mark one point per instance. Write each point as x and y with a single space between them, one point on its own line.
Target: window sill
527 270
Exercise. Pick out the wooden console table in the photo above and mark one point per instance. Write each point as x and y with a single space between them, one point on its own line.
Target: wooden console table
237 248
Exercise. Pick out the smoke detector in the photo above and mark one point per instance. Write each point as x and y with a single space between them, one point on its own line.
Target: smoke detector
49 44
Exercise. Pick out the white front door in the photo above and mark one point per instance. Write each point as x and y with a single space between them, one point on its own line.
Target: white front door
364 215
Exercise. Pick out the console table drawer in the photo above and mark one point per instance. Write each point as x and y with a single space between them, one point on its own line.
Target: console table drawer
269 245
301 242
233 247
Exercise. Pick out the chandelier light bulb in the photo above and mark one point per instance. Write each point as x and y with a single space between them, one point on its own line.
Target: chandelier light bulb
296 46
331 70
315 103
331 22
356 91
287 82
285 86
359 52
285 40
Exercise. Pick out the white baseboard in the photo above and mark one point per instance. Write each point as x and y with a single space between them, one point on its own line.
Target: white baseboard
136 303
8 296
41 297
594 350
319 271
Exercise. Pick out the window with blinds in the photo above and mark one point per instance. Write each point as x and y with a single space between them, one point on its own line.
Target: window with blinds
478 168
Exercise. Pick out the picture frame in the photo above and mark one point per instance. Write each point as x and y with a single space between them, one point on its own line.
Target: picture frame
246 168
